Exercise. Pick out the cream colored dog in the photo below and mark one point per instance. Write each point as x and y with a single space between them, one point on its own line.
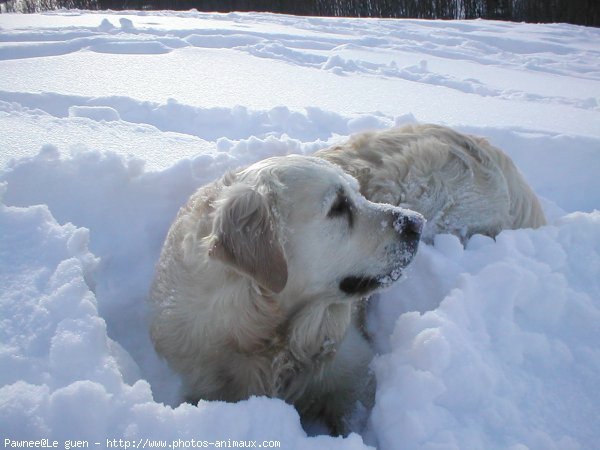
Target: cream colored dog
461 184
257 281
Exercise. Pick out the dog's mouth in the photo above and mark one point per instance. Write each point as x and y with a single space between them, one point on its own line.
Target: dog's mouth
365 284
401 253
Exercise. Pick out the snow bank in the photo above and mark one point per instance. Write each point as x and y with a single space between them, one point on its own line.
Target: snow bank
488 346
509 357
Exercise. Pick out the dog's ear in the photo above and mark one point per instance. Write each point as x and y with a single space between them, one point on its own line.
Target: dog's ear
245 237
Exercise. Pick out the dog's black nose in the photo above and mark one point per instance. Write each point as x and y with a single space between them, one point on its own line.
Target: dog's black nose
409 224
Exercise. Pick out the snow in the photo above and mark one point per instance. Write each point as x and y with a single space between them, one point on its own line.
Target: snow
109 121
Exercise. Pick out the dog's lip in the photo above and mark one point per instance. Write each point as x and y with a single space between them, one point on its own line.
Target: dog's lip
364 284
359 284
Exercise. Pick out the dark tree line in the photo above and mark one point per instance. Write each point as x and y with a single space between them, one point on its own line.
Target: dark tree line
32 6
582 12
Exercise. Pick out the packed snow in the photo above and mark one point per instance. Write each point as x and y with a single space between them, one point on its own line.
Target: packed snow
109 121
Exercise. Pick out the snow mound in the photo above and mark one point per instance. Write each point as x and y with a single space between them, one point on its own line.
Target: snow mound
505 359
506 329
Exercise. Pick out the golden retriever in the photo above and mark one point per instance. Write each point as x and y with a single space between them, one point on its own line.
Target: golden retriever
261 270
257 281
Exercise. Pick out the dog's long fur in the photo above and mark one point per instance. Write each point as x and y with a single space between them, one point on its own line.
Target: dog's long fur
257 280
256 284
461 184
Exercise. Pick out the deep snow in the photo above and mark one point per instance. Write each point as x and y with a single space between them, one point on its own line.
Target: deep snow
109 121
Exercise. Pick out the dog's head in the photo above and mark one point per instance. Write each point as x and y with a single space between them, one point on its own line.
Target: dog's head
299 224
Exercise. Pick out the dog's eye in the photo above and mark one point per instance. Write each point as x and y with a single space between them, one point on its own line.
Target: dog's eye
342 206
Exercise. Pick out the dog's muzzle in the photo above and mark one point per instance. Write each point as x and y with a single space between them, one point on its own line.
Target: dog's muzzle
409 226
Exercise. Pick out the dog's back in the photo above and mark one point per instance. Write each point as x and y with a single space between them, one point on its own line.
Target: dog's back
461 184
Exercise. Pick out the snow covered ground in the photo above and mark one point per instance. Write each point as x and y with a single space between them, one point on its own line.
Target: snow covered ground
109 121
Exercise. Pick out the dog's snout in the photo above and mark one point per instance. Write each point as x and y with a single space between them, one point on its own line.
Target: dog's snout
409 224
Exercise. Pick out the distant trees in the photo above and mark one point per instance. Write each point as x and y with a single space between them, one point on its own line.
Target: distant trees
583 12
32 6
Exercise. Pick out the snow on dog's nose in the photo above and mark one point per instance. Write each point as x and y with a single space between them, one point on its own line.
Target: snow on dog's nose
409 224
